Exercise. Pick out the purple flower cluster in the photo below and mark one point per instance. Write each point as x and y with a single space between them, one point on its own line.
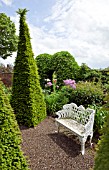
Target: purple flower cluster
70 83
49 84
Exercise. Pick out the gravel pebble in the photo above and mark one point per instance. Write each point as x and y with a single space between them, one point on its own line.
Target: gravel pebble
47 150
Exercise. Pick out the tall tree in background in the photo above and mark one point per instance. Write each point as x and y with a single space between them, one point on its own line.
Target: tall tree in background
27 97
8 38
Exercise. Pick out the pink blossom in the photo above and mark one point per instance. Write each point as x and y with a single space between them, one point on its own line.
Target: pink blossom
70 83
49 83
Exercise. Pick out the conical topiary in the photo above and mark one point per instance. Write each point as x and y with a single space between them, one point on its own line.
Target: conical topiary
11 156
102 155
27 97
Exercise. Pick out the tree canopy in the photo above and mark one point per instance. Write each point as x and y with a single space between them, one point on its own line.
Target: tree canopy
61 63
8 37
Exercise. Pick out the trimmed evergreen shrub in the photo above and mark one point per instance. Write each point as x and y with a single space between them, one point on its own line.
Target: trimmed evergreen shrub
102 155
61 63
65 66
11 156
43 62
27 97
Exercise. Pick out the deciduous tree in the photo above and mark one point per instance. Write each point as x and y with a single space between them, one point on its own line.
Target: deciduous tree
8 37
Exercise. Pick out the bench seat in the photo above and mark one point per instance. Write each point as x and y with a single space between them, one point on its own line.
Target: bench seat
73 126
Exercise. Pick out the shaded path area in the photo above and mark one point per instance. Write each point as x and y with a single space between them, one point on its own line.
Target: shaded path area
48 150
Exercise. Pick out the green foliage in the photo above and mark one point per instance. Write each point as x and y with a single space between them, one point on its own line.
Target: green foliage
8 91
83 70
55 102
27 97
87 74
102 155
86 93
105 75
65 66
106 99
11 156
61 63
8 38
100 115
43 62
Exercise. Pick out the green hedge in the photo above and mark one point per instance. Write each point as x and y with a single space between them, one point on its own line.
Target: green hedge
27 97
11 156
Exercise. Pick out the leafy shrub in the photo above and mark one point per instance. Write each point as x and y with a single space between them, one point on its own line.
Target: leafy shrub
106 100
100 115
102 155
85 93
55 102
11 156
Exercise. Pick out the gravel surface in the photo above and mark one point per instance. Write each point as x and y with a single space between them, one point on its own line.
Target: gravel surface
48 150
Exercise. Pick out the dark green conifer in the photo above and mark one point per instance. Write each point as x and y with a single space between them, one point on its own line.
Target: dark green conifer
102 155
11 156
27 97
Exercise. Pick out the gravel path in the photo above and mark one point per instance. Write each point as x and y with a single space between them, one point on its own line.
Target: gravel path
48 150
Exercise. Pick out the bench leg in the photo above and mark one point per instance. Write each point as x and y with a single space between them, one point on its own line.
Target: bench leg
91 135
57 124
82 141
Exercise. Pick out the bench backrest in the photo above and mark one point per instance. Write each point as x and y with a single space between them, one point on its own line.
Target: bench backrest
79 114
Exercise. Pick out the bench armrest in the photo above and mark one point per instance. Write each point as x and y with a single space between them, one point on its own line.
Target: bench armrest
61 114
90 123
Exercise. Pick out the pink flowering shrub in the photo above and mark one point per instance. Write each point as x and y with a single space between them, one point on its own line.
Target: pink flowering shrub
70 83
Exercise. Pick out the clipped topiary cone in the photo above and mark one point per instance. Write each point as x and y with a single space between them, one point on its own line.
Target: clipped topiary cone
11 156
27 97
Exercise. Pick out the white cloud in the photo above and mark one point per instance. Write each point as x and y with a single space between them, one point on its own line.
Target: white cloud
80 27
85 26
7 2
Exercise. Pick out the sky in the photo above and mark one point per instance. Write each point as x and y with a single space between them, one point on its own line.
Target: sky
80 27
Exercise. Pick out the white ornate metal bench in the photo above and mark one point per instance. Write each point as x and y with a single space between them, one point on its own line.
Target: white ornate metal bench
78 120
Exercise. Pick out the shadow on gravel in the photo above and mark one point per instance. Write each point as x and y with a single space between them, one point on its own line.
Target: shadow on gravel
22 127
70 146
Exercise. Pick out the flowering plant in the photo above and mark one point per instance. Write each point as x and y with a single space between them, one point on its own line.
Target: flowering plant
50 84
70 83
